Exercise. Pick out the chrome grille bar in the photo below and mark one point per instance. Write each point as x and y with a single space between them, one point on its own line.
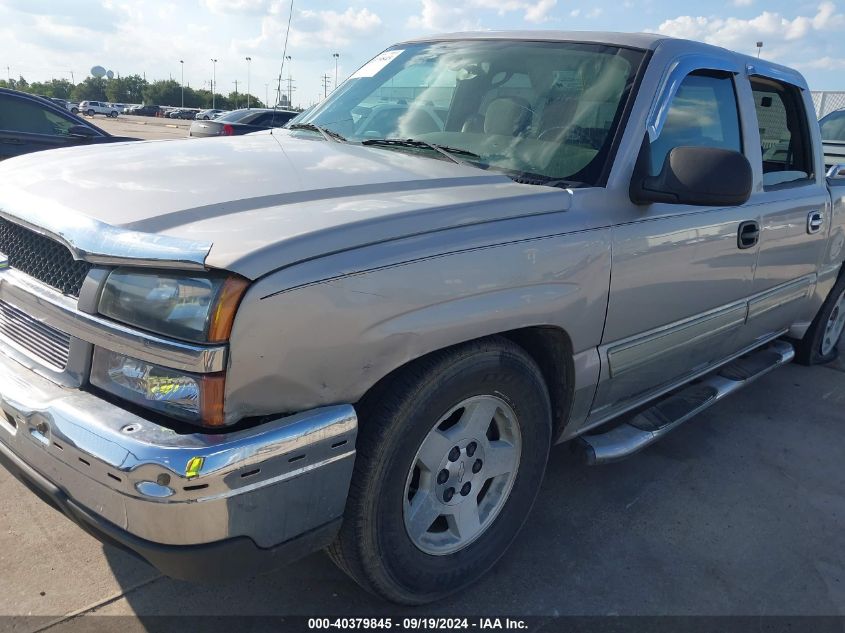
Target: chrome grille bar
41 341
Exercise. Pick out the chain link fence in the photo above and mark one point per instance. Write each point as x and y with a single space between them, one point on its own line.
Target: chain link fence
827 101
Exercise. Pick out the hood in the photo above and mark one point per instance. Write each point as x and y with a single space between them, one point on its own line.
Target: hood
266 200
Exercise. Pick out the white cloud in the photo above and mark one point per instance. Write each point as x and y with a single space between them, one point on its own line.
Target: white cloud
441 15
314 29
822 63
743 3
772 28
248 7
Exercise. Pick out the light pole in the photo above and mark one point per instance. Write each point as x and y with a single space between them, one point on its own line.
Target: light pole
213 81
182 82
266 95
759 48
236 93
336 58
248 60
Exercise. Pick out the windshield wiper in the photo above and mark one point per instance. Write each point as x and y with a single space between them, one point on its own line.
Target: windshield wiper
329 135
528 178
445 150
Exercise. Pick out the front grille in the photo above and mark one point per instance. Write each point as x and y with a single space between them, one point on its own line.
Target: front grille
43 258
41 341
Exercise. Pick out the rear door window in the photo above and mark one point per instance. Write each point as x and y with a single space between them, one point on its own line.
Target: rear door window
784 133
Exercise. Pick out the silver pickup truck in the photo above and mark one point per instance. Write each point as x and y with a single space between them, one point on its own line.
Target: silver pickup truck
365 332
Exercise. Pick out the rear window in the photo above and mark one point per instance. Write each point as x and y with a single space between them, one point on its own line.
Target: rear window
784 136
239 116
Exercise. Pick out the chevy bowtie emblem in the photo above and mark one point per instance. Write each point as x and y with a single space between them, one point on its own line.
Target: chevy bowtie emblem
4 261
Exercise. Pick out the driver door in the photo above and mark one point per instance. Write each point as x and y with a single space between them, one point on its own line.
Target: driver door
680 277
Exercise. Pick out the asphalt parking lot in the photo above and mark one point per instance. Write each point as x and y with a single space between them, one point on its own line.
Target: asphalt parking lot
143 127
739 512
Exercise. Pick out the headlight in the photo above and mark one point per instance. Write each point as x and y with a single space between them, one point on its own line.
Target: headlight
190 397
191 307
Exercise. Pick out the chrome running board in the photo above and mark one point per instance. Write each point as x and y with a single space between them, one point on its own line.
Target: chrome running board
674 409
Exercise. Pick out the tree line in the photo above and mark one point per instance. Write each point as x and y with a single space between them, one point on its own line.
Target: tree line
131 89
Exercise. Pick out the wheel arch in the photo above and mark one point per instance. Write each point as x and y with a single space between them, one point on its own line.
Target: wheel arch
548 346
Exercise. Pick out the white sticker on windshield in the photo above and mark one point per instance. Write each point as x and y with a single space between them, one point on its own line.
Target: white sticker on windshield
377 63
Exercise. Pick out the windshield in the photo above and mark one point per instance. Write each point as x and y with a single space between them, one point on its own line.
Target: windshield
548 109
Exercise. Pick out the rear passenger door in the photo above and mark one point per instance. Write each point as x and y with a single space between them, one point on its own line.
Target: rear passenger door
680 281
794 206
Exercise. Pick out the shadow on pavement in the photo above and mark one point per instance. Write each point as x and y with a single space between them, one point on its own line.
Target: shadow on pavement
738 513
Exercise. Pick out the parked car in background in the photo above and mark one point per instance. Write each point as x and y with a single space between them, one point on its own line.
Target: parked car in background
30 124
240 122
73 106
146 110
367 331
182 113
832 128
98 107
206 115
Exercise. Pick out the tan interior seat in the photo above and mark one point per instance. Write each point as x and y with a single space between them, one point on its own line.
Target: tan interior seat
507 116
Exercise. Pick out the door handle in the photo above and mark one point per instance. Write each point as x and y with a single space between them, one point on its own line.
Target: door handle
815 222
748 234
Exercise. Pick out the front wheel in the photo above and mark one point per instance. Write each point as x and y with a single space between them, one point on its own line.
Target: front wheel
451 454
90 113
821 343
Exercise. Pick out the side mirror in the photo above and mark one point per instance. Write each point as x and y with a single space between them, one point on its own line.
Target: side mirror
702 176
836 171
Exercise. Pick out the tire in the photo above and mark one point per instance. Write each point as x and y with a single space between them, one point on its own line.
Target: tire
397 421
74 110
90 113
113 114
820 343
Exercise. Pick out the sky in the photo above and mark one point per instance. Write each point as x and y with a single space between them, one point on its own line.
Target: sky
44 39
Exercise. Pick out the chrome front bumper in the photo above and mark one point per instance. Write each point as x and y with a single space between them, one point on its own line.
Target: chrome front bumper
270 483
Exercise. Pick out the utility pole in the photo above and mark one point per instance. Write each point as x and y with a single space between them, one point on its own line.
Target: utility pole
9 75
266 95
336 58
325 79
288 60
290 91
182 82
759 48
213 81
248 60
236 93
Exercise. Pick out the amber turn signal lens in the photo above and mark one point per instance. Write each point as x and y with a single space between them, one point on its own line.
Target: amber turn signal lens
212 387
223 317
